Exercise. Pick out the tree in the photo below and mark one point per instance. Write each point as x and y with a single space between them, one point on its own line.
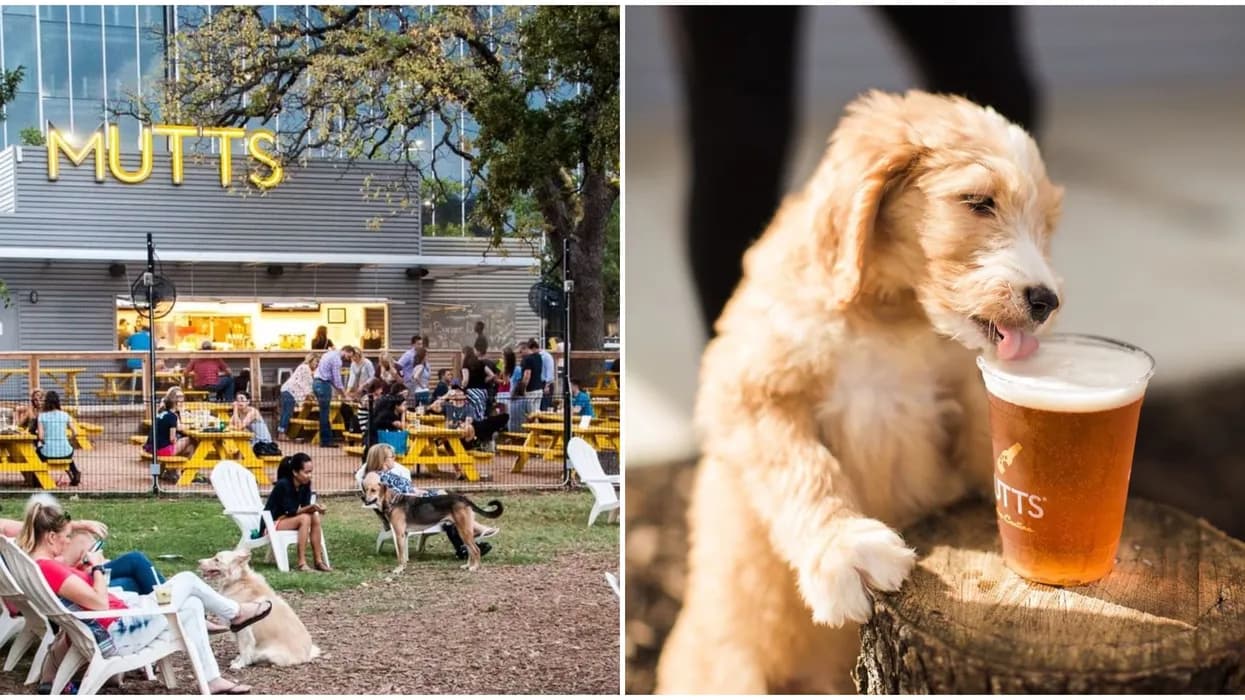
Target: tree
9 80
364 83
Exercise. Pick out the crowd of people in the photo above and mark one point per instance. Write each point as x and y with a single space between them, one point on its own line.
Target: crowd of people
486 396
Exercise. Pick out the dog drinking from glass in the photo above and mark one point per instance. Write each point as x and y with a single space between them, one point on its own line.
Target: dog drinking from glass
922 239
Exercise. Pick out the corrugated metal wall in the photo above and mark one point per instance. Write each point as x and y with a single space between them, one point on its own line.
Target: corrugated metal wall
495 288
318 209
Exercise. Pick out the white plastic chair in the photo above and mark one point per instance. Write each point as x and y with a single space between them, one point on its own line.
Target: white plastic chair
83 649
585 463
238 492
612 580
28 630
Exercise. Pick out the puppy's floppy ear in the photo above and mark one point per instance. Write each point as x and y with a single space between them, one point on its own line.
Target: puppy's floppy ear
872 150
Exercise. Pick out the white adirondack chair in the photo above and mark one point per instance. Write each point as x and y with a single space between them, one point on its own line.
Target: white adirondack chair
83 649
28 630
238 492
612 580
585 463
386 536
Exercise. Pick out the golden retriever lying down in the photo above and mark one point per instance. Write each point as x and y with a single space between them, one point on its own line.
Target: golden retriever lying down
281 639
921 240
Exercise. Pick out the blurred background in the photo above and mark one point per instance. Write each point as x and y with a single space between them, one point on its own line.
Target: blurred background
1142 118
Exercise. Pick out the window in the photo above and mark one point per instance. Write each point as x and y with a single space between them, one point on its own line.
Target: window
54 43
88 53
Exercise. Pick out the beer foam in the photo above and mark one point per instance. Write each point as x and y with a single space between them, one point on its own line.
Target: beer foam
1077 374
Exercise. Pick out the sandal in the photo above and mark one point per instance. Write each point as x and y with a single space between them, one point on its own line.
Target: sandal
238 627
305 567
321 566
235 689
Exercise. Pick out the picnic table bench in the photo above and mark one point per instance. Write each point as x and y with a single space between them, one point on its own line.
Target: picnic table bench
212 446
603 438
606 386
306 422
66 377
432 446
17 454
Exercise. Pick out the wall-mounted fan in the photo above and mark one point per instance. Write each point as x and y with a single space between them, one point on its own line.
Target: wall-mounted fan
156 301
546 299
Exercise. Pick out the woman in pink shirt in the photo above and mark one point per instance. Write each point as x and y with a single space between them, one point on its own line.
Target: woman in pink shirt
45 534
295 390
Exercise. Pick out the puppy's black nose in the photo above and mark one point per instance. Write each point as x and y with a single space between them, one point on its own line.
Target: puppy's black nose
1042 302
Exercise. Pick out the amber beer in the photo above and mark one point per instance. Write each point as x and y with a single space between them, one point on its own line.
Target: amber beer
1063 423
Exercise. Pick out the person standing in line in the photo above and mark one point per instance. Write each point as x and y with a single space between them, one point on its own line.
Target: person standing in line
548 375
362 371
123 334
140 340
326 385
406 363
525 394
480 337
295 390
321 340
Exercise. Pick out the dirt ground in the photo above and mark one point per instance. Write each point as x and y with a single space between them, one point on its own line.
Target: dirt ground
1190 454
536 628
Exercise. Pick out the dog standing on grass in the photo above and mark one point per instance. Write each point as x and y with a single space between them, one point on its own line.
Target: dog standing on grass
403 511
281 639
921 240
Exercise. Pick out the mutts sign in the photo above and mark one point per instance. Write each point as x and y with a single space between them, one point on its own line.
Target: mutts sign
256 142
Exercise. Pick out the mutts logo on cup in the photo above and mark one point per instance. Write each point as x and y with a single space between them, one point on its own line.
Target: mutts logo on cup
1013 505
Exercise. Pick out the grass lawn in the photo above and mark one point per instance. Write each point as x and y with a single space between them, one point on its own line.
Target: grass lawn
535 527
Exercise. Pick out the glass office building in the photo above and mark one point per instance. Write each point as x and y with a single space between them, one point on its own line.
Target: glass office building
81 59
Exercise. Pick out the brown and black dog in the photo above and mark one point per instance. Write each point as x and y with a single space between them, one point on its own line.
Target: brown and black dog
405 510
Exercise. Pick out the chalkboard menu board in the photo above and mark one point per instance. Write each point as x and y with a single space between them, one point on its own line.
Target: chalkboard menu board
451 326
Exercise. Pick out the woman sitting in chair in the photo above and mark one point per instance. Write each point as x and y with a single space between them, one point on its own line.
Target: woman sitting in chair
291 507
45 535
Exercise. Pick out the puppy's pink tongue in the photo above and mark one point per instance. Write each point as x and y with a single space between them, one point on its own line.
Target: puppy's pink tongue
1016 343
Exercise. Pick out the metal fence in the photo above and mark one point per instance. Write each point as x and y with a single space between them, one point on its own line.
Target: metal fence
111 405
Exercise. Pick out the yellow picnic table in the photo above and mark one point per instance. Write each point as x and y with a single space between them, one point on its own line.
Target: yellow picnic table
435 446
65 377
544 439
306 422
118 384
17 454
606 386
213 446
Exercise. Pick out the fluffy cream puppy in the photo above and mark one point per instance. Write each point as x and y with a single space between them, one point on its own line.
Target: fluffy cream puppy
921 240
281 639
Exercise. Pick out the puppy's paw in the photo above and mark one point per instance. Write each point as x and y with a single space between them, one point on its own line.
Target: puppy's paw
865 553
398 570
238 663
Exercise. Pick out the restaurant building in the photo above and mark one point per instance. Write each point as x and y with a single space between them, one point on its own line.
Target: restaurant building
252 270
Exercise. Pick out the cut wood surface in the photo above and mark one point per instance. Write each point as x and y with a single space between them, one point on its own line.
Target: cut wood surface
1169 617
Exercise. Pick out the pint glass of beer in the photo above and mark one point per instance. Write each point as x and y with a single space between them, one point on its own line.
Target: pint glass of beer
1063 422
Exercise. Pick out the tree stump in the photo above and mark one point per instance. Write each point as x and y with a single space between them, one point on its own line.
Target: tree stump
1169 618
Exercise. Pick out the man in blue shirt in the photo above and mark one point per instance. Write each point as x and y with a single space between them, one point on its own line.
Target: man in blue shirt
139 340
581 402
327 382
